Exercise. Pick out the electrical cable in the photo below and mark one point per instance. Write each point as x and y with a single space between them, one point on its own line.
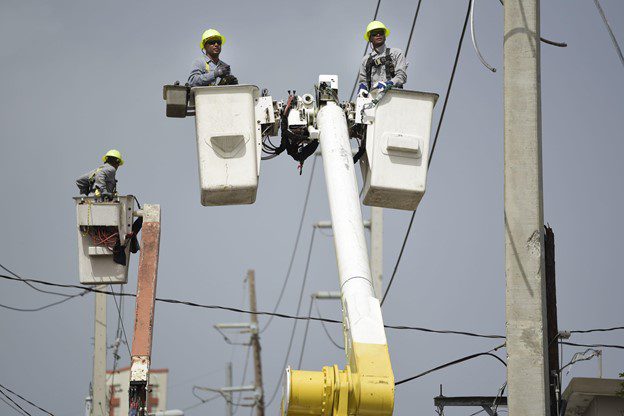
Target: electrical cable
619 347
474 40
544 40
587 331
613 39
21 411
121 294
203 401
294 252
409 40
12 406
454 362
580 356
318 312
24 399
236 405
34 287
364 54
12 308
287 316
435 141
305 333
294 328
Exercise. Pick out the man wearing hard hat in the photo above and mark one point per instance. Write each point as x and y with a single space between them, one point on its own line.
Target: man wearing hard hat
209 69
101 181
384 67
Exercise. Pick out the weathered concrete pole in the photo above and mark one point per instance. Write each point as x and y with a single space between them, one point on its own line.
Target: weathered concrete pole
527 346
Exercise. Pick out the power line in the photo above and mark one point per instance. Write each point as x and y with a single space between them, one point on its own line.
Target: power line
292 256
19 408
24 399
123 328
613 39
435 141
454 362
33 287
294 328
364 54
287 316
40 308
318 312
587 331
619 347
409 40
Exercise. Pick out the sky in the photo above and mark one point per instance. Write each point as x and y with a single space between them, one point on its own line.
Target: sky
82 77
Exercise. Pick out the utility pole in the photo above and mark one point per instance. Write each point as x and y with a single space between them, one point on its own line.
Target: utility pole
255 342
228 383
99 405
527 346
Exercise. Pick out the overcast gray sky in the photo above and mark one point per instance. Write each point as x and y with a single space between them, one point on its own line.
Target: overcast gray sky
81 77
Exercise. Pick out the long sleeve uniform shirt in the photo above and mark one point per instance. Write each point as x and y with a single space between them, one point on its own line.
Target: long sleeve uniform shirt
103 179
203 72
378 73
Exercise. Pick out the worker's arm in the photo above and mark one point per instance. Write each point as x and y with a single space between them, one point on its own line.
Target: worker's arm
400 68
199 76
362 73
105 180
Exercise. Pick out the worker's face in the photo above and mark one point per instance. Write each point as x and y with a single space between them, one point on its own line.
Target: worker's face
377 37
114 162
213 47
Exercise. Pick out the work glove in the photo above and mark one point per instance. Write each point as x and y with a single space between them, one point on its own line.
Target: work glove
362 90
228 80
384 85
222 70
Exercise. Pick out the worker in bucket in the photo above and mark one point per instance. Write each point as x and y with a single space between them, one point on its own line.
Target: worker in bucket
383 67
209 69
101 181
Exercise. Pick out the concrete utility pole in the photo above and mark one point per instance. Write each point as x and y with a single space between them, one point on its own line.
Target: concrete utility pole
228 383
255 342
99 406
527 346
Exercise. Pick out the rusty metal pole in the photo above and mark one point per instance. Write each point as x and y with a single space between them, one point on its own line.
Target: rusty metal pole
144 314
255 342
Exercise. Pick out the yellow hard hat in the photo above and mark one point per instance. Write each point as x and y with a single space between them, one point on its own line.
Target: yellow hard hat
375 24
211 33
113 153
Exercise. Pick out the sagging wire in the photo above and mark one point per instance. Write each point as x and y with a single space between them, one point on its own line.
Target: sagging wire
294 328
318 313
613 39
544 40
581 356
474 40
454 362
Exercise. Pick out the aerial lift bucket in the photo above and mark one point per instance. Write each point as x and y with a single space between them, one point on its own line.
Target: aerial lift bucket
228 143
101 226
397 149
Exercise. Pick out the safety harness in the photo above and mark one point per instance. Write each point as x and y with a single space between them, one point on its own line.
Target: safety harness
385 60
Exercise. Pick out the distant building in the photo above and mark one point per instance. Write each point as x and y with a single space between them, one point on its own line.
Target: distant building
593 397
117 384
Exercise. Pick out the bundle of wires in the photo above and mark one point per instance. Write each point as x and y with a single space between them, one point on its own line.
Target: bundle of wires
103 236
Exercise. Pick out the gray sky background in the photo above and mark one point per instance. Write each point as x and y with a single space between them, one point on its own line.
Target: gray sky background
81 77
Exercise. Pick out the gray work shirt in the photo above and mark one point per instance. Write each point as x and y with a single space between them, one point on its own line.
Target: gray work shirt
203 72
103 179
378 73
